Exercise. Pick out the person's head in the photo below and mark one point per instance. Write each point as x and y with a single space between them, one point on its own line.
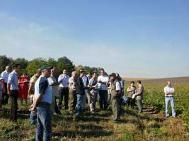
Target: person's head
8 68
82 72
102 72
132 83
74 74
53 72
118 77
46 71
38 72
17 67
139 82
169 83
112 77
94 75
64 71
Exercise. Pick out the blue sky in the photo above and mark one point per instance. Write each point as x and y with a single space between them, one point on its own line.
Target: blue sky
137 38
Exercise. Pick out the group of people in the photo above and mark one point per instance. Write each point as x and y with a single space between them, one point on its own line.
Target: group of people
75 93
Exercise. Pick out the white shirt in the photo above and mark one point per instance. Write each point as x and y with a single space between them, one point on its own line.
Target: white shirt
72 83
103 79
85 80
169 91
63 79
5 76
118 86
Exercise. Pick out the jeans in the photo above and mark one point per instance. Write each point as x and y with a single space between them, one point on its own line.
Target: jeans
103 95
14 104
80 99
171 100
5 95
43 131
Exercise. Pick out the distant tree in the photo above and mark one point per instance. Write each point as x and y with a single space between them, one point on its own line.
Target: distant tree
4 61
23 62
35 64
52 62
65 63
86 68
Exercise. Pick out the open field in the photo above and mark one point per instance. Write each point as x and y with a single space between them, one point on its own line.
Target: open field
148 126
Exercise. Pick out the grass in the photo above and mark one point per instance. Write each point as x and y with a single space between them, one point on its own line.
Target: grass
148 126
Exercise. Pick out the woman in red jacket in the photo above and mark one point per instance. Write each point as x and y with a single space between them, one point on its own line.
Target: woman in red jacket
23 87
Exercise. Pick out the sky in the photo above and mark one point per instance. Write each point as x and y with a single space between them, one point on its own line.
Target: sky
136 38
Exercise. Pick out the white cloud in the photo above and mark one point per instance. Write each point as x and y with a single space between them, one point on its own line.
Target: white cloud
19 38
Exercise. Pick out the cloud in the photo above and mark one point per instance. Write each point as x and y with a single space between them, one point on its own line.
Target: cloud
30 39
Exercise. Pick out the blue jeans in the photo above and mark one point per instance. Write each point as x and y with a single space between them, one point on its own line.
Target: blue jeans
43 131
171 100
80 99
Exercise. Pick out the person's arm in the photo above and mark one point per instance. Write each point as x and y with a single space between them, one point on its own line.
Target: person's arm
31 85
129 90
9 83
60 78
42 88
139 91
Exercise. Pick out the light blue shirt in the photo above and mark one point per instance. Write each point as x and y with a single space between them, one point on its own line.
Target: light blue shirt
13 80
5 75
63 80
47 96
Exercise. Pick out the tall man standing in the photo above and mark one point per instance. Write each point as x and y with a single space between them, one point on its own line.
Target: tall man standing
103 89
42 103
13 90
169 92
63 80
5 75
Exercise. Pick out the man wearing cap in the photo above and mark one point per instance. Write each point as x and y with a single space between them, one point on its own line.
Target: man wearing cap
5 75
115 90
80 91
63 80
12 90
42 103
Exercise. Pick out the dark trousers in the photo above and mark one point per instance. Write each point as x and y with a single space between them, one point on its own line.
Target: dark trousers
131 102
64 92
14 104
5 95
103 99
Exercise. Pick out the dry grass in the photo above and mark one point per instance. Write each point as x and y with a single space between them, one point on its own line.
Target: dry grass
148 126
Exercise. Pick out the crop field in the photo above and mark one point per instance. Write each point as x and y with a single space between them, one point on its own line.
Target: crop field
148 126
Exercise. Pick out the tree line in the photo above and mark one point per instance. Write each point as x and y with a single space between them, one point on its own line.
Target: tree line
30 66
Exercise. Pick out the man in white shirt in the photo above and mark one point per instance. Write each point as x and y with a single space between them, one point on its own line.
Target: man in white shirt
5 75
103 89
169 92
63 81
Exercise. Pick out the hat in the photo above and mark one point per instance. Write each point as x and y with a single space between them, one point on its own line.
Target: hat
46 68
